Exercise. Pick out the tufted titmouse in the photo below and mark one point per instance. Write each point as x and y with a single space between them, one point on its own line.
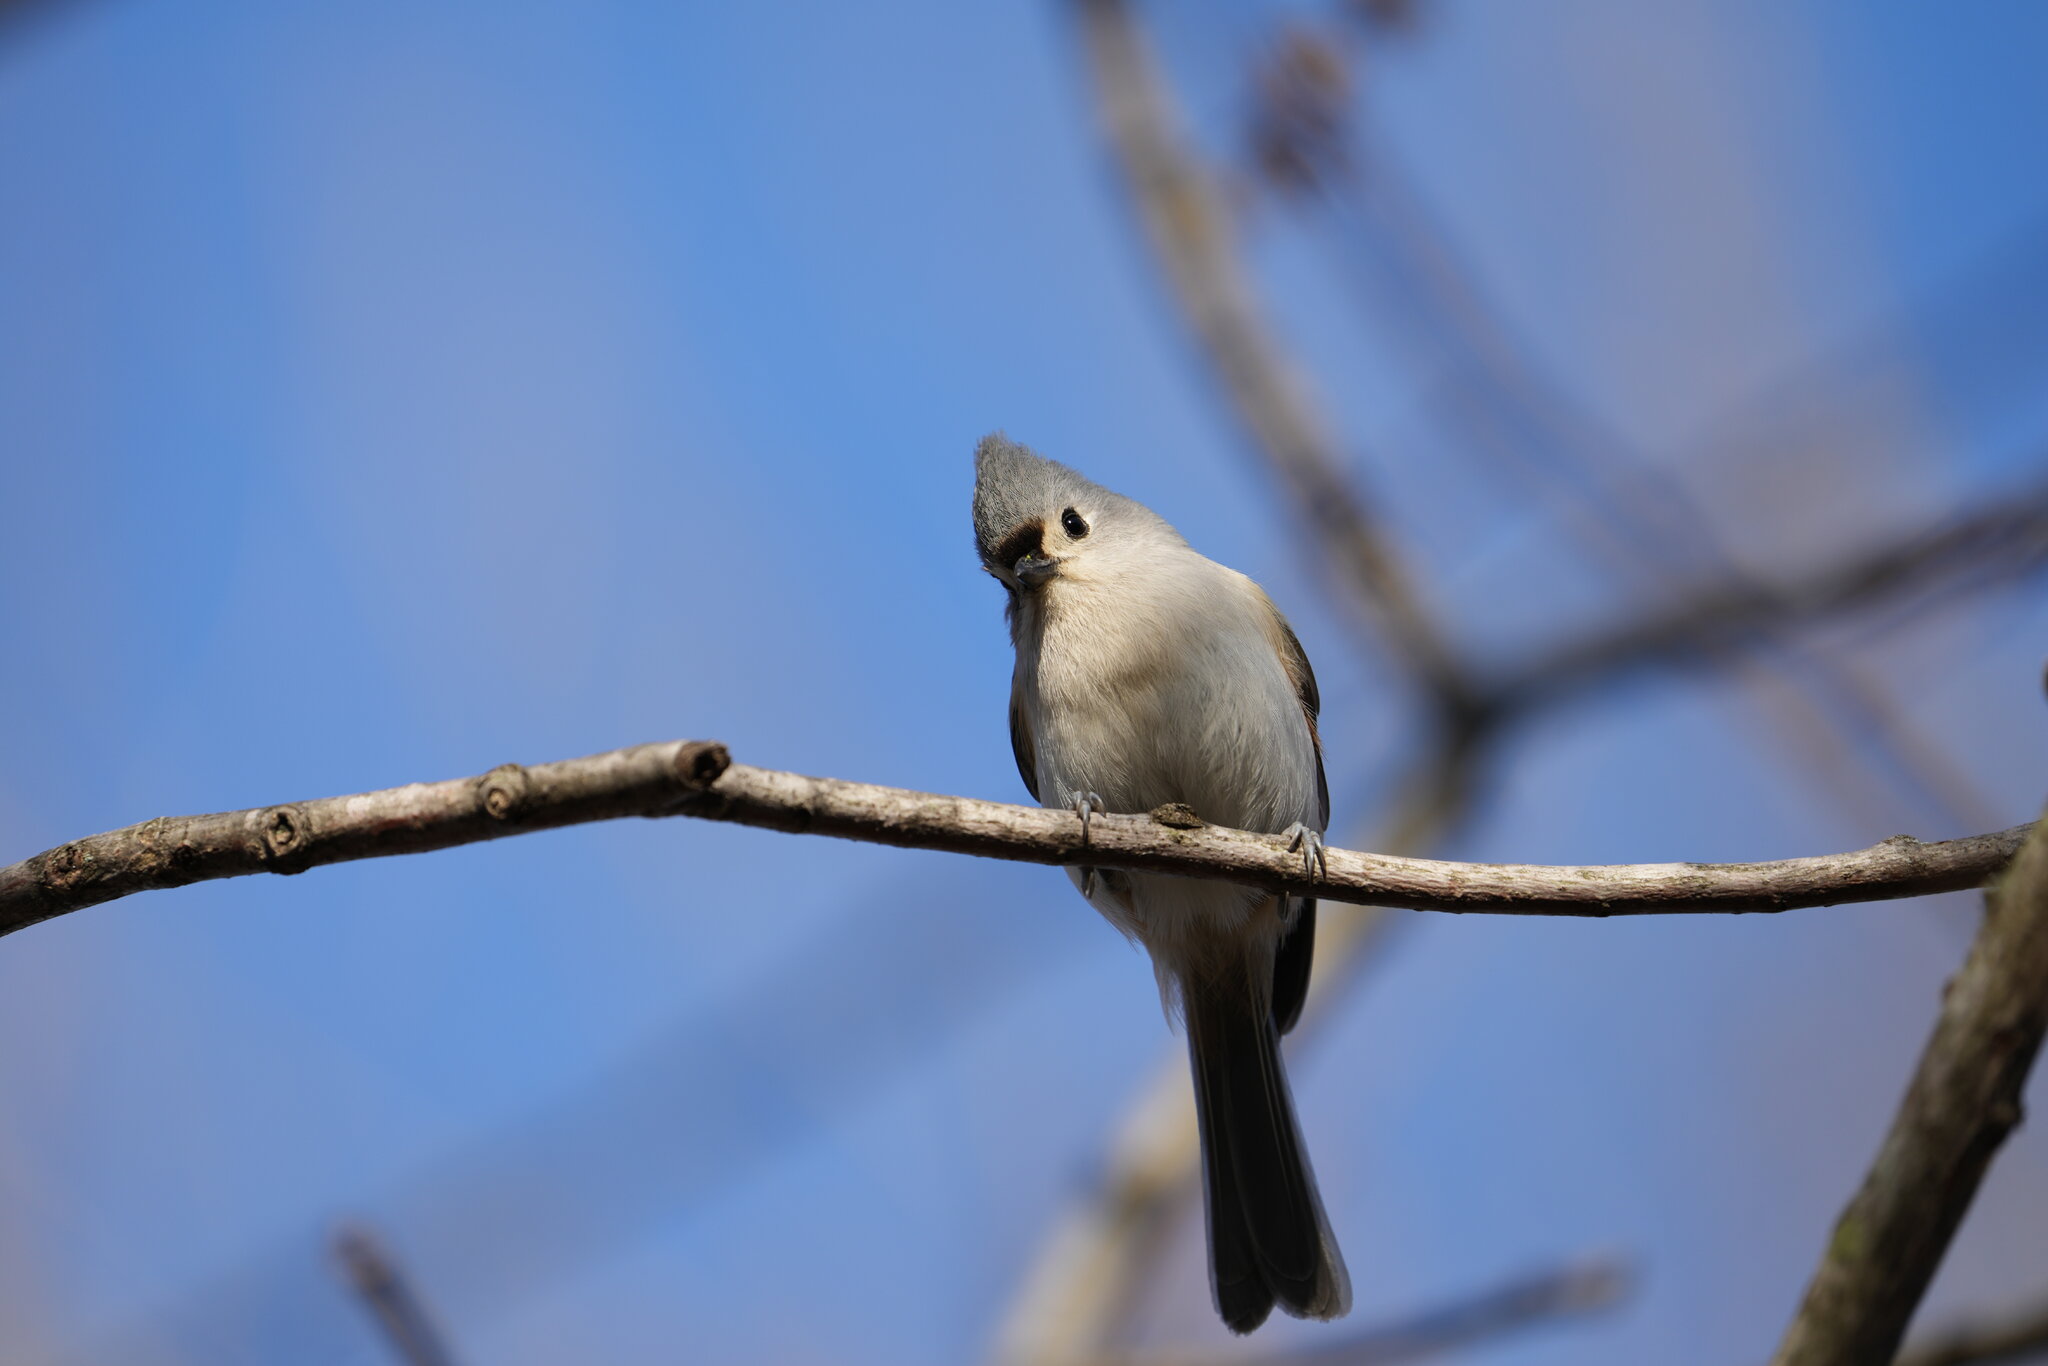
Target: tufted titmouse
1145 675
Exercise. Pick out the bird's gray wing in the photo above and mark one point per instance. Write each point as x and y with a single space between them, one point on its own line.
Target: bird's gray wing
1298 945
1295 660
1023 746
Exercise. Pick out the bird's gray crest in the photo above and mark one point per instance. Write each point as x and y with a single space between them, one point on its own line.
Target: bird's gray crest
1014 484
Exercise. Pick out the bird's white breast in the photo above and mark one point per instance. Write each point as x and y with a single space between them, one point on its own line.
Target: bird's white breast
1167 686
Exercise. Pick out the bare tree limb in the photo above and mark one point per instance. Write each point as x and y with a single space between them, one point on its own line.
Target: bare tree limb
1963 1100
2020 1337
390 1299
2000 539
697 778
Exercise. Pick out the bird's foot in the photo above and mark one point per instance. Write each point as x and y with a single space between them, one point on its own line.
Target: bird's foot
1310 843
1086 803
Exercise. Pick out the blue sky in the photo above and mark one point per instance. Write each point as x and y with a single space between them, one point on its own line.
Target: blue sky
392 391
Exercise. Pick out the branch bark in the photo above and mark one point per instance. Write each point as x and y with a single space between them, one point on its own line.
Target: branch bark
1963 1100
697 778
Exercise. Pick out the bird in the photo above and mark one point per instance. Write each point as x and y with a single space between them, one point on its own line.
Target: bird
1147 674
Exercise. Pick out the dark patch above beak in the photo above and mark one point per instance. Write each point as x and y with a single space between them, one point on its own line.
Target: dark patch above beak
1033 570
1023 554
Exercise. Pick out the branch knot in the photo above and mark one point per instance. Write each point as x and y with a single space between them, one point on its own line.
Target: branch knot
700 763
284 839
66 866
1177 816
504 792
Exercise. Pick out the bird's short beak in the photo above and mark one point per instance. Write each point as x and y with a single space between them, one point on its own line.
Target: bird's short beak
1033 570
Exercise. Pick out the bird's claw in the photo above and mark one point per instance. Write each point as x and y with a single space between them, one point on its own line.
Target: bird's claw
1086 803
1088 880
1310 843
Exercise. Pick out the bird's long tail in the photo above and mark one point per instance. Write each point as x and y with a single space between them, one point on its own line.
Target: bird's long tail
1269 1240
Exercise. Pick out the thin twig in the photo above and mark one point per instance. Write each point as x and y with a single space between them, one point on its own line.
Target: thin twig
1963 1100
391 1300
697 778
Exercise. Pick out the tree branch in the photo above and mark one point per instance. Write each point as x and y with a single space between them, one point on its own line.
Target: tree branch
697 778
1963 1101
392 1303
1999 539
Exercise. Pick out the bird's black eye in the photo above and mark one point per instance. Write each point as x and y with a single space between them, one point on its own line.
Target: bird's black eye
1071 523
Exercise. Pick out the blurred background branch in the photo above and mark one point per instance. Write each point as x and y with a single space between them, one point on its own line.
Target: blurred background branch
2004 539
390 1299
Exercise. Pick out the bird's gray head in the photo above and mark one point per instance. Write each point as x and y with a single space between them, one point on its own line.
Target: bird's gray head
1035 519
